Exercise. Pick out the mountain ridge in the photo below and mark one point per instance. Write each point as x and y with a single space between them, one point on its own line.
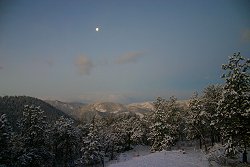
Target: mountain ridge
13 107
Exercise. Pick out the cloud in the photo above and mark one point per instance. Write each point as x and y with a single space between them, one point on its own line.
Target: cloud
1 67
245 35
83 65
130 57
50 62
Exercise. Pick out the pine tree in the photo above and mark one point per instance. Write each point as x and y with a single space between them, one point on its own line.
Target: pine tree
128 127
92 148
210 99
163 129
31 142
5 141
65 141
111 136
197 120
233 115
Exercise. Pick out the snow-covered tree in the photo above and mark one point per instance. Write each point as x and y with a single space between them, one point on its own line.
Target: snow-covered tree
233 114
211 97
65 141
31 143
197 120
92 149
129 129
110 136
163 129
5 141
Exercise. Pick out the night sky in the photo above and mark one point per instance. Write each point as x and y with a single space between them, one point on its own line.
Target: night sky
50 49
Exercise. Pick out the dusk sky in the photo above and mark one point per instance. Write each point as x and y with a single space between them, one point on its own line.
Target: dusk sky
50 49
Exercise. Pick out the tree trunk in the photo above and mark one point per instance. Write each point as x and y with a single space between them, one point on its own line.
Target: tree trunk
102 161
112 153
128 142
200 143
205 145
212 137
245 156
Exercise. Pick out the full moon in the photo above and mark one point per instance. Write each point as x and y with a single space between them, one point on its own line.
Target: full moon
96 29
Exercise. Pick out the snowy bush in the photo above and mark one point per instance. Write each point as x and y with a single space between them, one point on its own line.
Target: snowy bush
218 154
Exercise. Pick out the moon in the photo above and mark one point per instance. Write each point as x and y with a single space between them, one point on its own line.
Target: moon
97 29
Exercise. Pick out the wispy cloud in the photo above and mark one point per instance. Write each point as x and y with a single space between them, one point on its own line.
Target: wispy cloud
50 62
130 57
245 35
83 65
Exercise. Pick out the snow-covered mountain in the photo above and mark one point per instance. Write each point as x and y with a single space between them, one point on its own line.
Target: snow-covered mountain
140 107
108 107
70 108
13 107
87 111
183 103
80 111
65 105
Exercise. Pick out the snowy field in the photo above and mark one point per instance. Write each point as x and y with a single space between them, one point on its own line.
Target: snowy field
141 157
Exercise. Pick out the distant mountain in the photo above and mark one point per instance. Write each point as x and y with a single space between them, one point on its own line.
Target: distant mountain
183 103
100 109
107 107
141 107
13 107
85 112
70 108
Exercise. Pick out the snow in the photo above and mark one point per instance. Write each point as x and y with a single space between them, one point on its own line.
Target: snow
141 157
145 105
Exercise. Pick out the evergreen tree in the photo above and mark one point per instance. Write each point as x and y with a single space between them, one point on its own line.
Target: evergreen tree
163 129
65 141
233 115
31 143
5 141
129 129
108 139
210 99
197 120
111 137
92 148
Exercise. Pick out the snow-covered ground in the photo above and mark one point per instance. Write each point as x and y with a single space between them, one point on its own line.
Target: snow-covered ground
141 157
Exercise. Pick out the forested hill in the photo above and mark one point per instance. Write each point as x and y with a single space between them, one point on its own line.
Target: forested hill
13 107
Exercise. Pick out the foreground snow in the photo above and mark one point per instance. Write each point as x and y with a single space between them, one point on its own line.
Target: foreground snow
177 158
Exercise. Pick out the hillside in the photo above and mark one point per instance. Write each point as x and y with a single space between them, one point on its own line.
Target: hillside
100 109
83 111
70 108
13 107
140 107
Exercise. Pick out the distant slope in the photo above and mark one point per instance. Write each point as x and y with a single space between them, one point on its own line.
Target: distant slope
71 109
107 107
13 107
141 107
183 103
101 109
